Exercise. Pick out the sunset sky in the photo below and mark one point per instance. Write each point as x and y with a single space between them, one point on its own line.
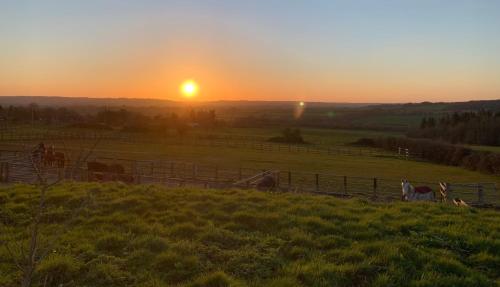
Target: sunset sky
335 51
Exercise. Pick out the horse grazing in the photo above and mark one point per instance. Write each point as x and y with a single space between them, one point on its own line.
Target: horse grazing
99 171
59 159
48 156
419 193
51 157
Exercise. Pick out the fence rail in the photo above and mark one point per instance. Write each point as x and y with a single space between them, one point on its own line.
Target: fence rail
15 168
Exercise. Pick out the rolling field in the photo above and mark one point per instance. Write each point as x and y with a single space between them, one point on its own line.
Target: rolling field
188 149
152 236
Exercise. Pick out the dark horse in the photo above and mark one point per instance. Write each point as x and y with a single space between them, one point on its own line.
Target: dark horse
98 171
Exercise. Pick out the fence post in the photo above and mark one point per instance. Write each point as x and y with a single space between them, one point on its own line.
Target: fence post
289 180
5 172
480 194
172 169
375 187
277 175
135 172
216 174
239 173
195 169
317 182
345 184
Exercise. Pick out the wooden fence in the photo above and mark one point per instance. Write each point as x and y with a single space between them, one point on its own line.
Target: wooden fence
175 173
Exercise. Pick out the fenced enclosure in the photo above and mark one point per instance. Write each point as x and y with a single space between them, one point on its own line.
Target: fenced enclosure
246 142
16 167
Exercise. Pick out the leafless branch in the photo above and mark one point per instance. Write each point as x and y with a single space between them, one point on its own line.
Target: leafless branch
27 260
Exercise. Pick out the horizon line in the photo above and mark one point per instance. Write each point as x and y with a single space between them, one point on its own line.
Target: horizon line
241 100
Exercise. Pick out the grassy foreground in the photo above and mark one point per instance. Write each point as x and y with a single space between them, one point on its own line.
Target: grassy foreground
151 236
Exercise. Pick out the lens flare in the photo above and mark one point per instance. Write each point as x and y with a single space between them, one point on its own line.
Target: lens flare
299 110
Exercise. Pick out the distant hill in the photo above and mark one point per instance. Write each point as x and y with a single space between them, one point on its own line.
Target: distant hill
159 103
136 102
82 101
493 105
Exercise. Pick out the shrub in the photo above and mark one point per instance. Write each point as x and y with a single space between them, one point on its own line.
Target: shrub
290 136
444 153
364 142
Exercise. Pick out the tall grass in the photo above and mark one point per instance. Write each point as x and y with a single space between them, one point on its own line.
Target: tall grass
152 236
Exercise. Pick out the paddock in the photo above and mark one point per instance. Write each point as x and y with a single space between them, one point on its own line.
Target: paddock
16 168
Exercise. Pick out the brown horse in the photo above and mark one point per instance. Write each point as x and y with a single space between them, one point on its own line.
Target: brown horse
99 171
59 159
96 170
51 157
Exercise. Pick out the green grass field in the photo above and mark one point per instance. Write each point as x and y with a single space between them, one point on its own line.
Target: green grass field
151 236
389 167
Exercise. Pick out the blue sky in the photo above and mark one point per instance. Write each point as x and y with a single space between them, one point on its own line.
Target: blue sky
313 50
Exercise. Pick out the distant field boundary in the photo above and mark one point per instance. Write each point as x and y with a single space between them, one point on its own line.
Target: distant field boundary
15 168
206 141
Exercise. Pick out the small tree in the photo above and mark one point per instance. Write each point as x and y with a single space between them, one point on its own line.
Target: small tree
35 253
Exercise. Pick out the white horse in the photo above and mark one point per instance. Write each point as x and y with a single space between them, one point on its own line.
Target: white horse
410 193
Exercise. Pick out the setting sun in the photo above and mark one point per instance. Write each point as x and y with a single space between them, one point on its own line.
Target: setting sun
189 88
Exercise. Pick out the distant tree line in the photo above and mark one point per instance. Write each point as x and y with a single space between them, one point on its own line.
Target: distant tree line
107 118
343 118
440 152
482 128
34 113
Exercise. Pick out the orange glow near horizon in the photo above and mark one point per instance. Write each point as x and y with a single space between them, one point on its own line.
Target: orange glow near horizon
146 50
